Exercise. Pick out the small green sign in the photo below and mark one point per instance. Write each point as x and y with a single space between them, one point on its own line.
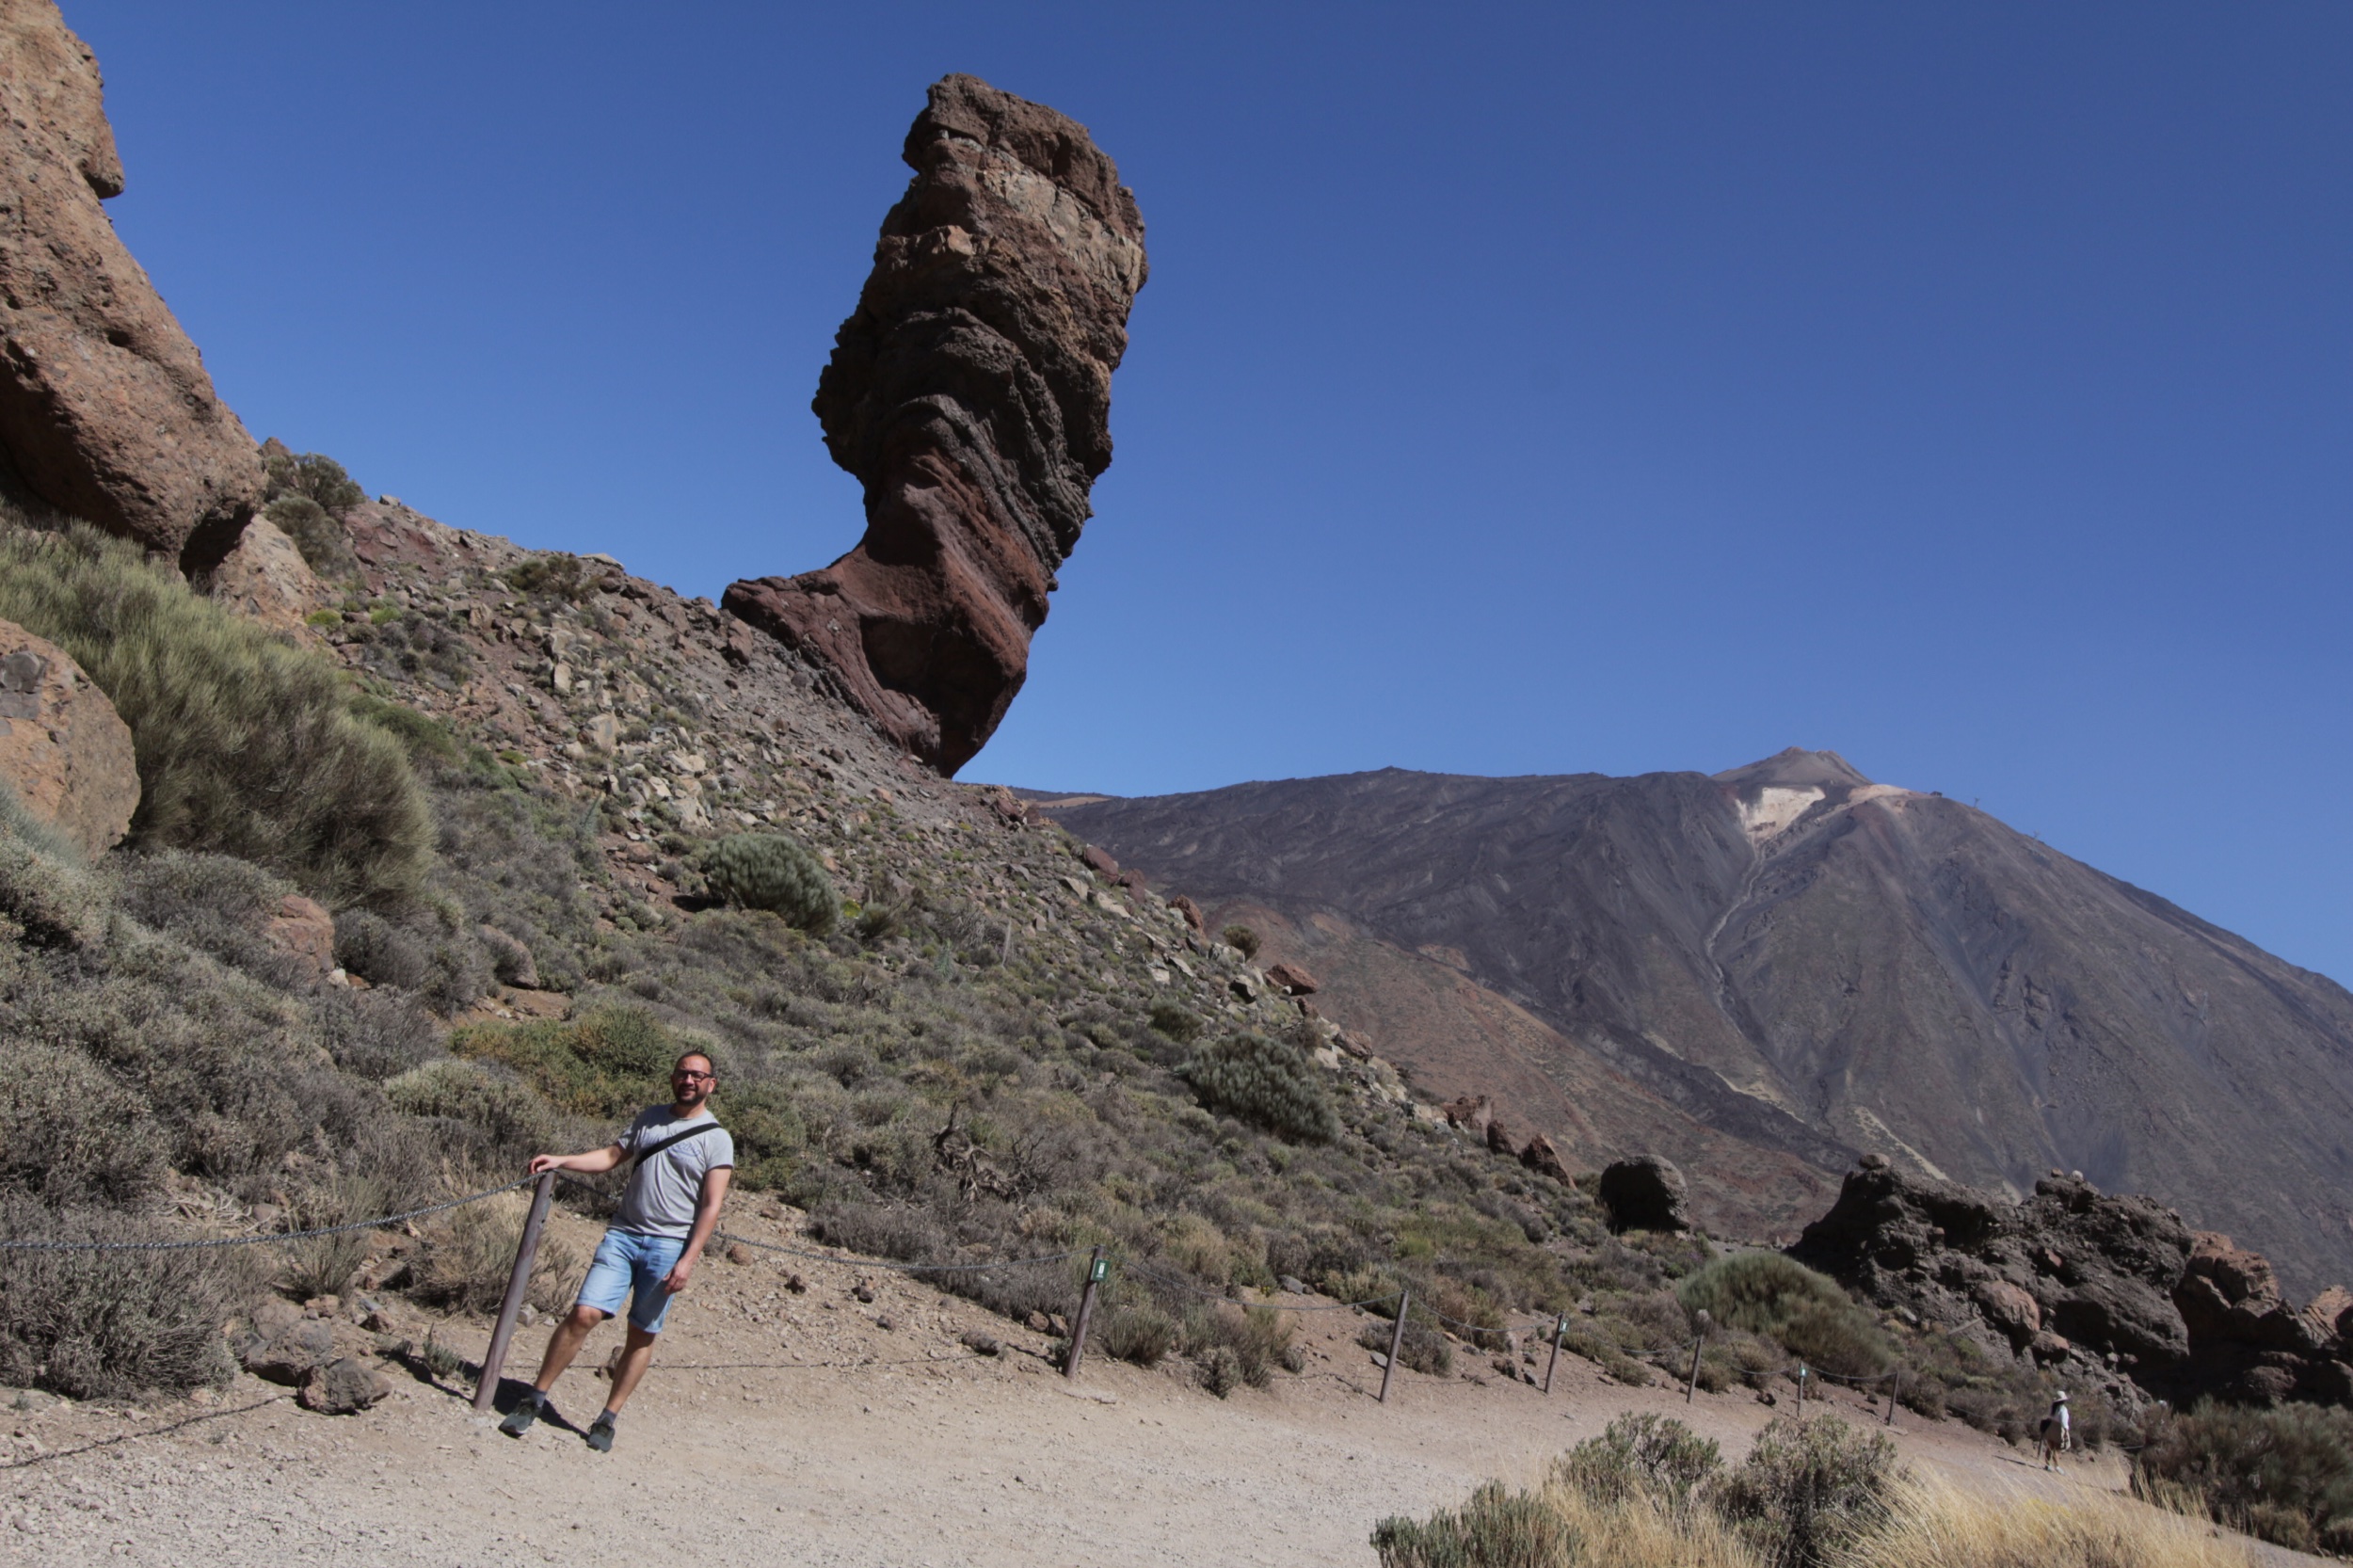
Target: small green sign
1100 1271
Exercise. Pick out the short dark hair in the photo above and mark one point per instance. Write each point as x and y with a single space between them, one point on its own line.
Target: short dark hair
704 1056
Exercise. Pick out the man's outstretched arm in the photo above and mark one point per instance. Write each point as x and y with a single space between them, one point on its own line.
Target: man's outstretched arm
591 1164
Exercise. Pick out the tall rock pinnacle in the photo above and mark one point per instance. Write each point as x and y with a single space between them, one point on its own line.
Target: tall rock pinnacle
971 395
106 410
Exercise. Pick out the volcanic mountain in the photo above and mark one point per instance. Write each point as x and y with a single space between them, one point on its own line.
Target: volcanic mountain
1764 972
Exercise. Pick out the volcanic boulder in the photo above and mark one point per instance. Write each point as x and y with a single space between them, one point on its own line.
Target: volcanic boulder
64 750
2110 1284
971 395
1647 1193
106 410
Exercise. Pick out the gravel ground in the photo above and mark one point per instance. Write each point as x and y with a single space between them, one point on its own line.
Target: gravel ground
782 1428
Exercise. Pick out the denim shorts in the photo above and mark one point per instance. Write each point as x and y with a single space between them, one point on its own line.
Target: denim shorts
631 1266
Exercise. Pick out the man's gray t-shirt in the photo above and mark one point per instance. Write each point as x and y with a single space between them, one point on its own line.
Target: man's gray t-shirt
663 1190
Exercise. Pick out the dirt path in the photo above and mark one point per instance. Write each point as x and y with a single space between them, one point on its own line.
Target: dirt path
898 1447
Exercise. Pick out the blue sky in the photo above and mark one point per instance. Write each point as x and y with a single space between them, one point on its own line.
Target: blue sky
1963 387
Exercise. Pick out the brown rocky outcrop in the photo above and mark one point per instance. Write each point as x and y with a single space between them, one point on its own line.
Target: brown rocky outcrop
106 410
305 931
971 395
1539 1156
2111 1287
64 750
1472 1113
265 579
1292 978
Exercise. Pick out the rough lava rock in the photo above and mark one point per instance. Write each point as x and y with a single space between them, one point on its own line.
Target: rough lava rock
971 395
64 750
2107 1286
1645 1192
265 579
106 410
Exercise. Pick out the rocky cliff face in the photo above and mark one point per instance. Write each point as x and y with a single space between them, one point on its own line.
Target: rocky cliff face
106 410
970 393
1808 965
2094 1286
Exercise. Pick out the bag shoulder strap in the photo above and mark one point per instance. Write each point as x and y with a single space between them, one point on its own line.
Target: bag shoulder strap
694 1131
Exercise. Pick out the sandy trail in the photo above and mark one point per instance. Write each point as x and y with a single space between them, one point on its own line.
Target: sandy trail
900 1448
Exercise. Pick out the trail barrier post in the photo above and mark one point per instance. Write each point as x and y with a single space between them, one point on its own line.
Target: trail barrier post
526 1254
1560 1332
1895 1387
1397 1342
1097 1269
1703 1322
1801 1391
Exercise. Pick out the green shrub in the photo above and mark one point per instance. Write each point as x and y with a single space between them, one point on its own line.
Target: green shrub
1268 1084
1141 1334
320 538
378 951
104 1325
1641 1455
1497 1529
1173 1021
465 1255
246 747
610 1062
514 1122
314 476
47 893
2284 1474
1765 1293
1242 939
73 1135
1808 1489
768 871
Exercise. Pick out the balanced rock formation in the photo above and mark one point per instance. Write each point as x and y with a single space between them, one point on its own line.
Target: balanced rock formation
971 395
106 410
2103 1287
64 750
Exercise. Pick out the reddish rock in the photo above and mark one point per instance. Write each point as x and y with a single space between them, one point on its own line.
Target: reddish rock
63 748
1189 910
1539 1156
1133 880
1008 806
2008 1308
1471 1114
306 930
2047 1346
106 410
971 395
2331 1317
1501 1141
1298 982
1098 860
1355 1045
265 579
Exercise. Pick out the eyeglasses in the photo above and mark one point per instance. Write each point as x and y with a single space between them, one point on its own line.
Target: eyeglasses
691 1073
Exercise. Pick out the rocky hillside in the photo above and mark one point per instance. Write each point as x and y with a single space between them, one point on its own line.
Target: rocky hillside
1764 972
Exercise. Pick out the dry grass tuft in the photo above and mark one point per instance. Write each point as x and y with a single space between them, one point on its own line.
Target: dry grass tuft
1936 1525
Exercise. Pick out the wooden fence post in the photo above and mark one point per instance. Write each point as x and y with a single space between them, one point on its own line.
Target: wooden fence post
1895 1387
1560 1332
518 1282
1397 1342
1702 1323
1097 1269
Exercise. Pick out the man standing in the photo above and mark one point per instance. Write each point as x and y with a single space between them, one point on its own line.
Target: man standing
682 1161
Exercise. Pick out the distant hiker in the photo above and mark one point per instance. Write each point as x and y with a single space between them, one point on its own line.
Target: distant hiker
682 1161
2057 1434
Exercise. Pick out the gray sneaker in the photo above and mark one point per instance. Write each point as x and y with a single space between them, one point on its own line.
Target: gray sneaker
519 1419
600 1434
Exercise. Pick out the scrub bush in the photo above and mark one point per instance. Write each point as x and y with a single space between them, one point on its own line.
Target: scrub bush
245 746
1267 1083
768 871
